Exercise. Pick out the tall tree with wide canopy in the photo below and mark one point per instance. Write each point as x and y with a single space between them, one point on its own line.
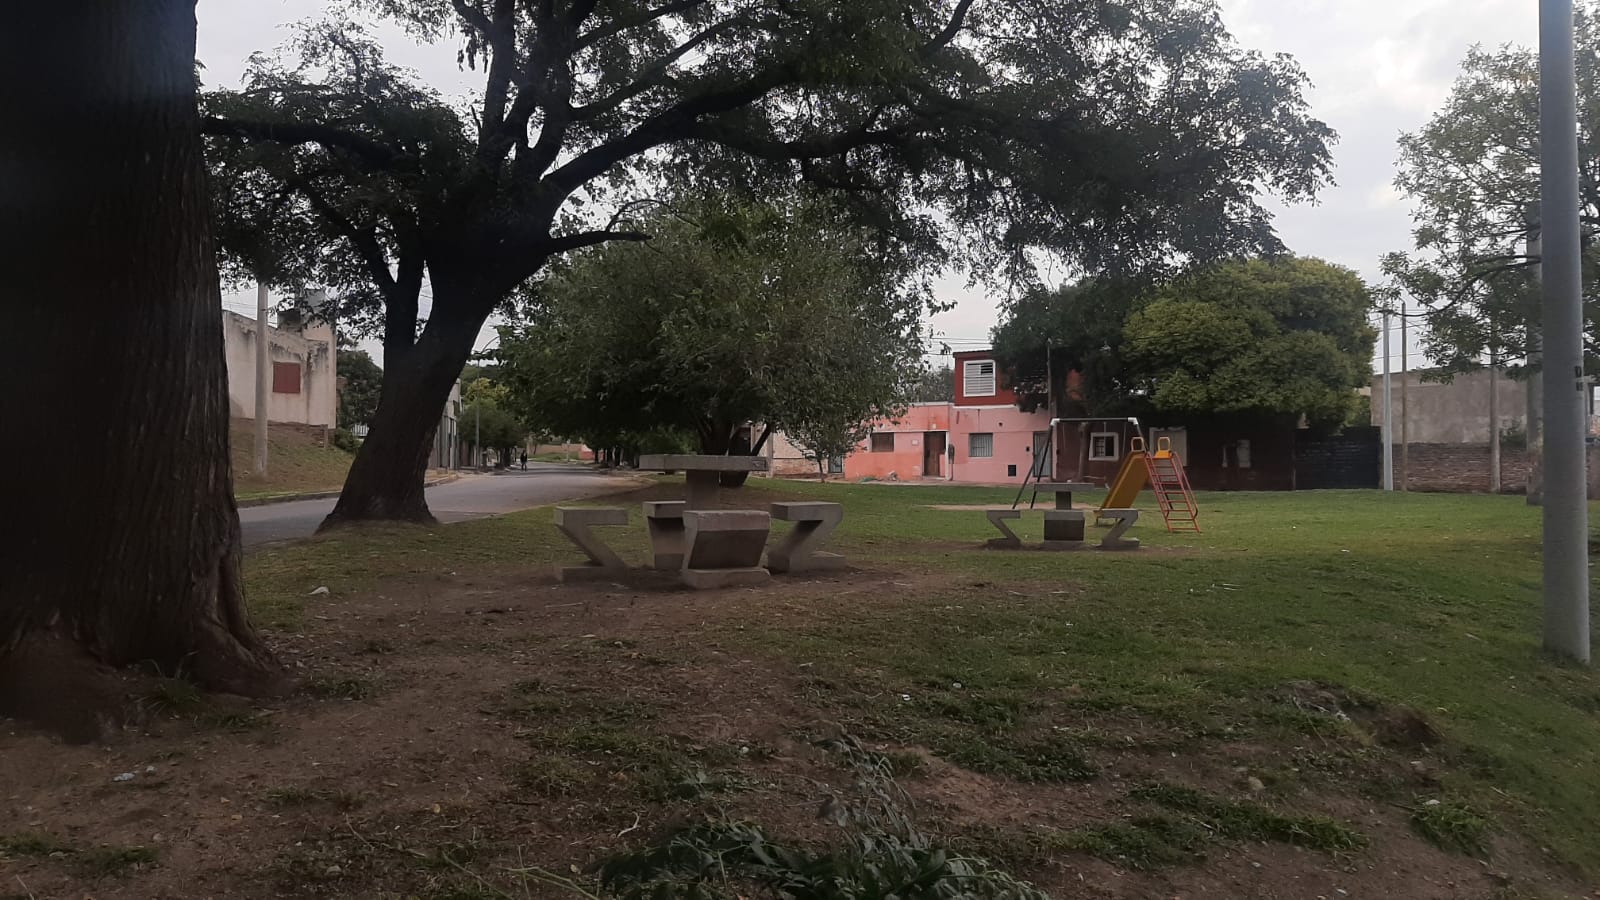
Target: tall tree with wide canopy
1115 133
127 547
734 313
1472 174
1259 337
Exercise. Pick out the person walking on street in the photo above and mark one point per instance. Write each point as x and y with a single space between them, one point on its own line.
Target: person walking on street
524 460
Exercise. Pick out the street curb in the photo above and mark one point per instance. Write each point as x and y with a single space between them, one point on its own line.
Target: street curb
323 495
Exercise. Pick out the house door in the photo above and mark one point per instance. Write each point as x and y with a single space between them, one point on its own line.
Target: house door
1041 459
933 454
1178 437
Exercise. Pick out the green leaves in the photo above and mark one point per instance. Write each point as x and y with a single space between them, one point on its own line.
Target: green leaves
732 313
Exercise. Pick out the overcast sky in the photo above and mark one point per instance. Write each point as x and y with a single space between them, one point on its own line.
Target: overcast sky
1380 67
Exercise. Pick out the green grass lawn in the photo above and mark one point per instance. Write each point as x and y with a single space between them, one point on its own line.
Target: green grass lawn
1426 603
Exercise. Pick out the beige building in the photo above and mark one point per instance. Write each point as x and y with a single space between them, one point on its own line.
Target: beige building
1454 412
305 383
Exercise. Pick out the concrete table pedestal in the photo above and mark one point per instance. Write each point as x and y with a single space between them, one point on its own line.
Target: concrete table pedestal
722 548
1064 529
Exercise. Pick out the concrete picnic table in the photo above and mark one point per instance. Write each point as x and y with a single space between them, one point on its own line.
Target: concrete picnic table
702 473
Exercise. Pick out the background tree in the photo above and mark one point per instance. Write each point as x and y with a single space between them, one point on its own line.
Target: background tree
361 385
1285 337
1078 328
1472 176
825 441
934 384
131 546
1280 337
733 314
1015 124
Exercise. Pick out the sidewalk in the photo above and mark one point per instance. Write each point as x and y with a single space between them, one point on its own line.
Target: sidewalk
434 477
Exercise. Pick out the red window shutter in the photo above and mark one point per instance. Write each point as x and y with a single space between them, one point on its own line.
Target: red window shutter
285 378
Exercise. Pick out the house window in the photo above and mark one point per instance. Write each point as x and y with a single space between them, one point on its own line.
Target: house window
977 378
1103 445
835 465
883 443
1241 454
980 446
285 378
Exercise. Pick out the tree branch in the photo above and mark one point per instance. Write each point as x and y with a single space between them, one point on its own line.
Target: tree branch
943 38
567 242
368 150
588 40
651 75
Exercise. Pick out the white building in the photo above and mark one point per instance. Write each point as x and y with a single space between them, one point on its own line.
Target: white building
305 383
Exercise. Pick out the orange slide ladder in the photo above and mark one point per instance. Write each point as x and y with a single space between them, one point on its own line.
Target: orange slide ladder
1171 487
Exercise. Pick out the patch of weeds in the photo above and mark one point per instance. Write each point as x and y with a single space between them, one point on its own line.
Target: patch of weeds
234 720
984 710
1145 842
103 862
1051 760
552 776
1251 822
169 696
661 785
298 797
905 764
30 843
876 845
340 687
1451 825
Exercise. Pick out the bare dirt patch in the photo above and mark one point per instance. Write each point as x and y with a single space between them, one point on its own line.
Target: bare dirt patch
451 731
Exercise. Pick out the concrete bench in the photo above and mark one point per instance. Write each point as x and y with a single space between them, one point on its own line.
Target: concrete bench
1063 529
998 518
1122 520
722 548
813 522
575 522
664 521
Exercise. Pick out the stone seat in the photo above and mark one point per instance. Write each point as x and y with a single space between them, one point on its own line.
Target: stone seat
664 521
575 522
798 552
998 518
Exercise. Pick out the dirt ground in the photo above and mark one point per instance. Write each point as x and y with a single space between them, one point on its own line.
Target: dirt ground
452 733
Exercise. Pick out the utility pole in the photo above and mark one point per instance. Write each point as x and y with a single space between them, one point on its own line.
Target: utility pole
1535 348
1494 419
1388 413
1405 376
1566 519
263 372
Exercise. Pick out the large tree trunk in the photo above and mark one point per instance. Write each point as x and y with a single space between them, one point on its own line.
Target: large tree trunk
386 479
123 539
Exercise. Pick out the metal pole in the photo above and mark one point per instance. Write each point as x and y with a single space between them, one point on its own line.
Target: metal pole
477 435
1388 413
1566 522
263 372
1405 377
1535 349
1494 420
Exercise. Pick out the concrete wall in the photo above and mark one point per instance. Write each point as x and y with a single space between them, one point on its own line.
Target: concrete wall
1451 413
311 351
909 431
1461 468
786 459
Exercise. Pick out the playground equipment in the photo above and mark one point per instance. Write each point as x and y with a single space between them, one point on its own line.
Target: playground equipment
1163 472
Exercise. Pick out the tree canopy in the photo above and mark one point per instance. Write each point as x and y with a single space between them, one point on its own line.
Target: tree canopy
360 384
1473 178
1285 336
1114 134
731 314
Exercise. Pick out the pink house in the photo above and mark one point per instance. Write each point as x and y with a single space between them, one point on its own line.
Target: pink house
978 437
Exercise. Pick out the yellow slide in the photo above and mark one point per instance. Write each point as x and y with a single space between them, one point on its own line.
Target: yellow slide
1130 480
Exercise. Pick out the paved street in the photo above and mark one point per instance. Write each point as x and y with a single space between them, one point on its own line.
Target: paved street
470 497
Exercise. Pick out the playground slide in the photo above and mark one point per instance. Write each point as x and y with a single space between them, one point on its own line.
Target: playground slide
1130 480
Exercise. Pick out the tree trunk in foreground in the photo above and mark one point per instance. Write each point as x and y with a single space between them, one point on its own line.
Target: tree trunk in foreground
386 479
123 539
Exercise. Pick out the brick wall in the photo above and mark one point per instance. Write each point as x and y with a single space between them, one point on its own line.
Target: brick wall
1462 468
